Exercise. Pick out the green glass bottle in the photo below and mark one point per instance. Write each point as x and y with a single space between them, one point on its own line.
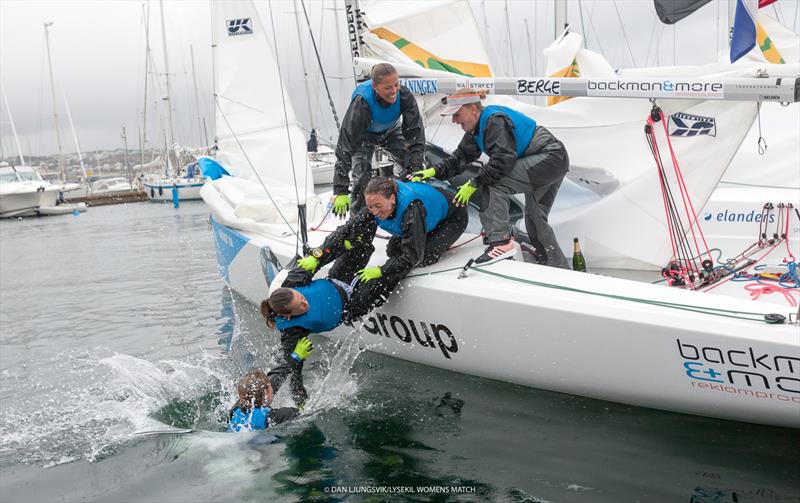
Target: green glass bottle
578 262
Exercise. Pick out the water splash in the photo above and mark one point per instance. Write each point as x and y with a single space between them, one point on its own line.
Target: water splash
336 384
89 404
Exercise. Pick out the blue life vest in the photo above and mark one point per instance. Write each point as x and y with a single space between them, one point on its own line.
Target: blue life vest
435 206
324 308
523 127
256 419
383 118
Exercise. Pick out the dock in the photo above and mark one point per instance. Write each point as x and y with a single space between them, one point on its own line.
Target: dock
106 199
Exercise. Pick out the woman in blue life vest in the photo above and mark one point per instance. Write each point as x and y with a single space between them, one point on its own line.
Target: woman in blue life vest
382 113
524 158
424 223
253 411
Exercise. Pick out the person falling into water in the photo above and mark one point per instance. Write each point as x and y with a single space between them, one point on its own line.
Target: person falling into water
374 120
253 411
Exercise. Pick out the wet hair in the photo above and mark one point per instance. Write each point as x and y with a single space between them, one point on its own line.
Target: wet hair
381 185
481 91
252 390
380 71
276 305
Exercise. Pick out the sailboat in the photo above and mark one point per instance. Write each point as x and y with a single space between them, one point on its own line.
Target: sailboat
706 351
175 182
23 191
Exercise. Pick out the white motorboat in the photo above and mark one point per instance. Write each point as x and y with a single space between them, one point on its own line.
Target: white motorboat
111 185
23 192
710 351
20 190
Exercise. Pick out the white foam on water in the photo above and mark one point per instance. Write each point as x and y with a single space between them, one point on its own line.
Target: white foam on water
87 404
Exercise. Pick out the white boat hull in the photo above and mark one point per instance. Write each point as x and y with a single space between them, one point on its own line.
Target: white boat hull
187 189
63 209
19 204
582 344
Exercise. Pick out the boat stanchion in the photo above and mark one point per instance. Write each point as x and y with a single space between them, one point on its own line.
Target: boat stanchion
463 273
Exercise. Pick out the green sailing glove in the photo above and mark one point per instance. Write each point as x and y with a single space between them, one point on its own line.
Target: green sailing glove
308 263
302 349
464 193
422 175
341 204
370 273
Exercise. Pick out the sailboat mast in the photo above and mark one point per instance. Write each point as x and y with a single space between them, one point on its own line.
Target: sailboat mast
319 62
170 132
13 127
508 35
303 62
213 70
531 49
143 138
197 100
75 137
55 105
560 8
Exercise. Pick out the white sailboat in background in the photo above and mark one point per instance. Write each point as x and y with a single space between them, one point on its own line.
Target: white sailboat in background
20 186
180 178
23 191
603 337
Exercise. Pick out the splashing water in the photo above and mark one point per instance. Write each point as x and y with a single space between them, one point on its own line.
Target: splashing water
337 384
98 403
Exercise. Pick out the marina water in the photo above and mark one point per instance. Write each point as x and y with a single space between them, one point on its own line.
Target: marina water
117 336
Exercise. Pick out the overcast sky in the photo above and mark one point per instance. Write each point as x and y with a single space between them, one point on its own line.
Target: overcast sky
98 50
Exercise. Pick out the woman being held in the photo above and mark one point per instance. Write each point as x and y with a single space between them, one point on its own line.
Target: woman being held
423 221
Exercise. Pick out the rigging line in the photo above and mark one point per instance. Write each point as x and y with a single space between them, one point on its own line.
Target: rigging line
624 35
593 29
319 62
672 305
583 26
245 105
249 163
508 39
283 101
650 42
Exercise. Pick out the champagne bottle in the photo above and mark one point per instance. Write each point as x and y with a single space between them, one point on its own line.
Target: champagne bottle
578 262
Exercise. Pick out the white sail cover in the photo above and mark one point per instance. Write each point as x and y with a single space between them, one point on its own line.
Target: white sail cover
256 140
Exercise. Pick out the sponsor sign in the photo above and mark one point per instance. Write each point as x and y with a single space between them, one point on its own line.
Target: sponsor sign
681 124
744 371
420 86
241 26
426 334
539 87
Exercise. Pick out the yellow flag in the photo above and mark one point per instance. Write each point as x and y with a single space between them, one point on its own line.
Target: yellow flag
767 47
427 60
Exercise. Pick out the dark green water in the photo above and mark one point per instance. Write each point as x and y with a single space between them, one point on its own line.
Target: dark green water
115 323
